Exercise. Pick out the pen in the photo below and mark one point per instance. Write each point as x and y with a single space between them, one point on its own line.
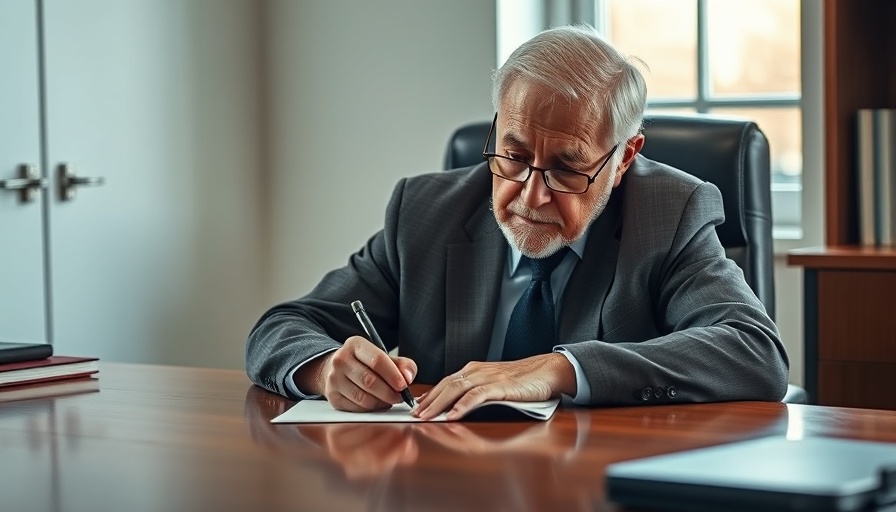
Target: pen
375 338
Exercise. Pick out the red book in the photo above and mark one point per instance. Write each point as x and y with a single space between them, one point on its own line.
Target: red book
48 390
45 370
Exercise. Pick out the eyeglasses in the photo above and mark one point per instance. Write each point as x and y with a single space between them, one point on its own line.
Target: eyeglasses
558 180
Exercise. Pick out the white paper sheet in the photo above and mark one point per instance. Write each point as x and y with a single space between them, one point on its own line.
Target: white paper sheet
320 411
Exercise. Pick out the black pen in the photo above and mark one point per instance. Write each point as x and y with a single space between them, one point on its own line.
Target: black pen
375 338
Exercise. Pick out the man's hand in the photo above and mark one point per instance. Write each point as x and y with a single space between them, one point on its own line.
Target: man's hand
358 376
528 380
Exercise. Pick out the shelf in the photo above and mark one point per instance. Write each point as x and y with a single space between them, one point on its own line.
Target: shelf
859 41
845 257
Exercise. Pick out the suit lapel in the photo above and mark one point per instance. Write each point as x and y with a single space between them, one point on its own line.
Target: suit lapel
590 282
473 284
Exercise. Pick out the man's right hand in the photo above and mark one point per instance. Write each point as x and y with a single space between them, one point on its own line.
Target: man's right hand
358 376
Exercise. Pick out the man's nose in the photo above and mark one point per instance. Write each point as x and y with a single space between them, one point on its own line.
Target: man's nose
535 193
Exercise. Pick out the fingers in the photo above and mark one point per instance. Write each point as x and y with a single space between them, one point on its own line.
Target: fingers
407 368
433 402
472 395
361 377
531 379
457 394
356 399
376 366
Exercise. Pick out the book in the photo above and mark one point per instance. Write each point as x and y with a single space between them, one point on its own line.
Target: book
865 151
320 411
16 352
73 386
885 174
876 176
50 369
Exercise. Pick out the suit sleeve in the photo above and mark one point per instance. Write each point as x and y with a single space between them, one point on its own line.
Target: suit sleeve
296 331
719 344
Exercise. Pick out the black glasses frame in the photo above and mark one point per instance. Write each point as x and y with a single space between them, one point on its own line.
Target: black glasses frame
530 167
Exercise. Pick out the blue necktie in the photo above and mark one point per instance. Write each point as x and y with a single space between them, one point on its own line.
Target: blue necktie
531 329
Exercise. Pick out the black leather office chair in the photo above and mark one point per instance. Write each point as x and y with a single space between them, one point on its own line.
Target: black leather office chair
731 153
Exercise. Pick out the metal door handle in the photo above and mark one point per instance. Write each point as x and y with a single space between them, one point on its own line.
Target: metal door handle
68 180
27 184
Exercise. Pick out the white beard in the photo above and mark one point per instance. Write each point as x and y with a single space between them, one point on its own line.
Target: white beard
537 244
531 242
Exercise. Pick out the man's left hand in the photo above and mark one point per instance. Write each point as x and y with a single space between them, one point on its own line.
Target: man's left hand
528 380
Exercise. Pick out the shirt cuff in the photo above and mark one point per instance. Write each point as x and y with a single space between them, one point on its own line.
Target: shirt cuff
583 388
290 383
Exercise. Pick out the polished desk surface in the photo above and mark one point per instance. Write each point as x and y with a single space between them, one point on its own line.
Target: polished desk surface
156 438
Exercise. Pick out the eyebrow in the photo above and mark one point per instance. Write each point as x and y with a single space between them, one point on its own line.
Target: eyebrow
573 157
512 140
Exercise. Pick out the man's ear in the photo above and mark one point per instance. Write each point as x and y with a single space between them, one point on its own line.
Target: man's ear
632 148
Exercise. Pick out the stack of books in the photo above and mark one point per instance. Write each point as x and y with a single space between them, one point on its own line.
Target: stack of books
876 143
26 370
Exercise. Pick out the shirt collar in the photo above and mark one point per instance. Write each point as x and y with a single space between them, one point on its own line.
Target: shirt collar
578 247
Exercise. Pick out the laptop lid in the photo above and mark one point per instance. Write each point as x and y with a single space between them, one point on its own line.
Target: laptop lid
770 473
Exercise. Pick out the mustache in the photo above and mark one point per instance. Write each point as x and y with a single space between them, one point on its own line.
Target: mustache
517 207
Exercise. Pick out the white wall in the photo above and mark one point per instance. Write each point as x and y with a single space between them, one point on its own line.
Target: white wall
789 314
359 95
227 269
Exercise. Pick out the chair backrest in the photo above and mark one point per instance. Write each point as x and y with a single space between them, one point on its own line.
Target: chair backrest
731 153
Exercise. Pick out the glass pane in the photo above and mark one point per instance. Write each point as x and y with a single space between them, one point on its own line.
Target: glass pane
754 46
663 34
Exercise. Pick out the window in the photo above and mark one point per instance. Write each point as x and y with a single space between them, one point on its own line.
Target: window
747 58
729 57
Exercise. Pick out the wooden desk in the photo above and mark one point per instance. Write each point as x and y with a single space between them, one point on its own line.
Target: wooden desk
160 439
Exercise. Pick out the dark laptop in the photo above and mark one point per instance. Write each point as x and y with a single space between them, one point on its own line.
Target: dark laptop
773 473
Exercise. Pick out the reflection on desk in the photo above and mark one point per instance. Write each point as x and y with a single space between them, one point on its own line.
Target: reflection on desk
481 466
400 466
157 438
36 409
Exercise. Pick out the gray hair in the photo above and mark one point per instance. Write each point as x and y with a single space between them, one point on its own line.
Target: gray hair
579 65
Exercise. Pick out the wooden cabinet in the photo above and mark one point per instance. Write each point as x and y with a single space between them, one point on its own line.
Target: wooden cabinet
850 325
850 291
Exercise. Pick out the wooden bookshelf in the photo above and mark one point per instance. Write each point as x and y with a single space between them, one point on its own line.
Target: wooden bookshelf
860 48
850 303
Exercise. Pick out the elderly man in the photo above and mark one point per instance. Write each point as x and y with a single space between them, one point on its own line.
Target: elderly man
567 265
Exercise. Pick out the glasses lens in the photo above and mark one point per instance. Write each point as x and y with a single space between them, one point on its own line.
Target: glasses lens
566 181
509 169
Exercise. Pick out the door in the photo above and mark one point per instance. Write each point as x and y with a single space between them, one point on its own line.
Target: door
22 305
151 104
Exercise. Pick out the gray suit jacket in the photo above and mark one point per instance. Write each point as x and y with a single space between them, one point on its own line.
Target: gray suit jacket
653 312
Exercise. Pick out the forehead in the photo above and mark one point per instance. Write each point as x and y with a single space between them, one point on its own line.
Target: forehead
534 110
